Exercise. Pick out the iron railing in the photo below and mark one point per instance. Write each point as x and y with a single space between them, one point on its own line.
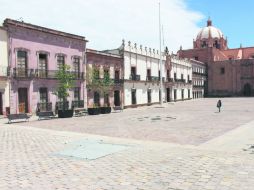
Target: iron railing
180 80
118 81
135 77
42 73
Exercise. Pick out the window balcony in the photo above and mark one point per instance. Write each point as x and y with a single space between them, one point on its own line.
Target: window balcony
42 73
23 73
169 80
198 86
148 78
180 80
135 77
118 81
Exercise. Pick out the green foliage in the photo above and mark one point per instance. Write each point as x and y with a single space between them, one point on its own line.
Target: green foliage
65 82
99 84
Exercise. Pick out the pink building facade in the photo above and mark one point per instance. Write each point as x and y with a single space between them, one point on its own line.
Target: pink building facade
105 64
35 54
230 72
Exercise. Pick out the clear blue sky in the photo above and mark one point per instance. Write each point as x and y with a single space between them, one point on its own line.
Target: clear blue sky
233 17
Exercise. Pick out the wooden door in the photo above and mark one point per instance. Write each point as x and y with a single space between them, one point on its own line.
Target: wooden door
23 100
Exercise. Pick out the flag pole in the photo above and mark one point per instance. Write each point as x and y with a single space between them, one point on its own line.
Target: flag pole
160 55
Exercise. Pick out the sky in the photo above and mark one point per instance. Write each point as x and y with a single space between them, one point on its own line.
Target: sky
106 22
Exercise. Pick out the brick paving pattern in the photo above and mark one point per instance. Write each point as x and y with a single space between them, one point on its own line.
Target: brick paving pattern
28 161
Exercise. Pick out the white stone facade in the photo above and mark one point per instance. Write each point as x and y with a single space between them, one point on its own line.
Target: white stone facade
4 83
199 79
182 76
141 75
141 66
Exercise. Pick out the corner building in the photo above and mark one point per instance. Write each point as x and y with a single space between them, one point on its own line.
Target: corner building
35 54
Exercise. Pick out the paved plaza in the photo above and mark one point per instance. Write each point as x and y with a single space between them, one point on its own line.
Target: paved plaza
182 146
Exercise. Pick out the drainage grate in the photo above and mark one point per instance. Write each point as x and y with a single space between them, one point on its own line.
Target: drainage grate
90 149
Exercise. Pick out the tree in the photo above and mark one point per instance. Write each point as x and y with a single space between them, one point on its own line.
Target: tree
102 85
65 83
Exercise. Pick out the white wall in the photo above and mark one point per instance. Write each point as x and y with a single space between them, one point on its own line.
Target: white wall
4 83
141 93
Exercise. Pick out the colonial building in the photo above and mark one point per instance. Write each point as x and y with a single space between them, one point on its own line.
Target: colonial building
182 78
35 54
199 79
102 65
141 66
230 72
4 71
141 75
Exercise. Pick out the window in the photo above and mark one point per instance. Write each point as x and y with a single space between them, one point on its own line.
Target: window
222 70
148 74
60 61
182 76
133 73
22 59
188 78
182 94
175 76
77 94
21 63
196 58
96 73
117 74
43 95
42 65
106 74
204 44
168 73
76 66
159 74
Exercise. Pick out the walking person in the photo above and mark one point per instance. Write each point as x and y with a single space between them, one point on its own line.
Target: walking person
219 104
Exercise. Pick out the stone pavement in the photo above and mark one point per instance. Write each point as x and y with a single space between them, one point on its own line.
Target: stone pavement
27 161
190 122
221 161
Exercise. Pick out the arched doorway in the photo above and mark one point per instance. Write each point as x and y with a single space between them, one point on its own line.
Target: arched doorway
247 90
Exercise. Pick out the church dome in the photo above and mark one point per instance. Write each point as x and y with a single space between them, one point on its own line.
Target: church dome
209 32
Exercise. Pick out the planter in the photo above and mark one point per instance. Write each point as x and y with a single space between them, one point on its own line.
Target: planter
93 111
65 113
105 110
